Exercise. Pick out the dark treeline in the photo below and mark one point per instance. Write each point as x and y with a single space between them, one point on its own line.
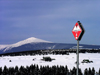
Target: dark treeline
45 52
44 70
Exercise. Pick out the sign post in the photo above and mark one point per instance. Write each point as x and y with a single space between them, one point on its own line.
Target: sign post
77 56
78 32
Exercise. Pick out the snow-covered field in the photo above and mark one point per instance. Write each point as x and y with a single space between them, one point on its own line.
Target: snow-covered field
68 60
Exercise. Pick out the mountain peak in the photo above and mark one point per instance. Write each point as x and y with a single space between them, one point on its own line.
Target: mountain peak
33 39
29 40
23 42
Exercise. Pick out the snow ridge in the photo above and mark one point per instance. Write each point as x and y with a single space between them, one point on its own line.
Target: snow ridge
29 40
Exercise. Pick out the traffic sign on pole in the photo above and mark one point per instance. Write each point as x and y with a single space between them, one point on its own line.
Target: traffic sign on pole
78 32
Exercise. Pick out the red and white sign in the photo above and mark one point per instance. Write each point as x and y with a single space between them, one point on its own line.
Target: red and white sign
78 31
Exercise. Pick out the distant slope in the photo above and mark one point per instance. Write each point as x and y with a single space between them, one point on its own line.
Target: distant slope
38 44
27 41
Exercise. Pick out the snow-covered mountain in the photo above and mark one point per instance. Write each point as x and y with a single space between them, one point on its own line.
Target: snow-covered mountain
38 44
27 41
31 40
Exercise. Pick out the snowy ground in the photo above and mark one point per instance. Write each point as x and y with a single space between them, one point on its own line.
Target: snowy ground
68 60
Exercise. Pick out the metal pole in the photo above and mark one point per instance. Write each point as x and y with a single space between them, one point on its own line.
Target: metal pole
77 56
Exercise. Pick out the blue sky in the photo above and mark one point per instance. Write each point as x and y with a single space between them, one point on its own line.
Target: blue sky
51 20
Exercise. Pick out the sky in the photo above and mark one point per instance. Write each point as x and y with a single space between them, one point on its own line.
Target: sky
50 20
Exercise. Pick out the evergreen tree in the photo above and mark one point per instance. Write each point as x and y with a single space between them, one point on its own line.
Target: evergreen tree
66 68
42 70
22 70
80 72
5 70
99 71
70 73
27 70
62 70
86 72
16 69
74 71
55 70
36 70
48 70
90 72
93 71
0 70
31 69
